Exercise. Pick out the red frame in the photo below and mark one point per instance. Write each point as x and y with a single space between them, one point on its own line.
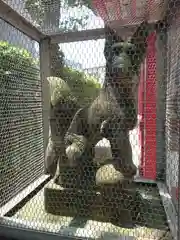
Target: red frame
147 111
141 122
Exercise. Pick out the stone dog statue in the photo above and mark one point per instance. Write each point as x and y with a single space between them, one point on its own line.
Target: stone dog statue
112 114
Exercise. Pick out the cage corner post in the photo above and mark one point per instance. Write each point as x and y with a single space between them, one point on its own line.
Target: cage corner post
161 73
141 125
44 74
149 167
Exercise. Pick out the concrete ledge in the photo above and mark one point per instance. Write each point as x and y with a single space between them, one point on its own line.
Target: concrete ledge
106 204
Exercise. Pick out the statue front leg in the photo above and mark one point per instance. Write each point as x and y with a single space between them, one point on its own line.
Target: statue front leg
122 163
75 141
51 158
87 168
76 145
122 154
80 149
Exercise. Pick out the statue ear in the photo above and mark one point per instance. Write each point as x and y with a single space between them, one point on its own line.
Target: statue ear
140 35
111 35
111 38
139 40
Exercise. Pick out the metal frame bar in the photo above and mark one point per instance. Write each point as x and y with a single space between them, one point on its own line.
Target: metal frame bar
39 230
12 17
25 231
45 66
178 197
161 78
84 35
22 195
91 34
172 217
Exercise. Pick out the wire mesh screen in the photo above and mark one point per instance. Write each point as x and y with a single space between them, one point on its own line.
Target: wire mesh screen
21 151
97 72
61 16
172 112
93 152
53 16
104 95
20 7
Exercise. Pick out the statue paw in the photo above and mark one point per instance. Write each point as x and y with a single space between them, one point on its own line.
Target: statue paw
72 153
107 174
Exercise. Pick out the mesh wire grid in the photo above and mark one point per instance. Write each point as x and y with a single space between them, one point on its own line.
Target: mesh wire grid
172 112
53 16
72 205
21 113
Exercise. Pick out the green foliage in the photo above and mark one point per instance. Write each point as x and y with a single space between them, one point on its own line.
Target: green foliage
59 89
17 67
14 59
75 85
84 87
57 60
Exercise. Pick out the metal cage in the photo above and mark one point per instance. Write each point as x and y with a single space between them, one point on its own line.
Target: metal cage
31 31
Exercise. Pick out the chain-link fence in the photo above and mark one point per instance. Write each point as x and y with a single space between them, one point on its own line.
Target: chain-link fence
89 130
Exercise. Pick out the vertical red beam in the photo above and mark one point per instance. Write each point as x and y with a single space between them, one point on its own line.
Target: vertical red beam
149 168
141 116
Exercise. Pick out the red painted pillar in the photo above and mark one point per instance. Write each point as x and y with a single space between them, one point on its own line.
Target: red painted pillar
149 168
141 95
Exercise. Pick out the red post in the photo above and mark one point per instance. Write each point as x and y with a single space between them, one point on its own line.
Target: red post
149 167
141 95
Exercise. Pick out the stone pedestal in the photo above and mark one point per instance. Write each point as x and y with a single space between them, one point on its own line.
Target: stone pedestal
108 203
